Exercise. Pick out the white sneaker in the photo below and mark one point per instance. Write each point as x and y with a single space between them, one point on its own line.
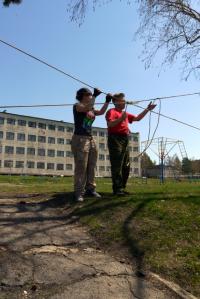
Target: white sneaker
80 198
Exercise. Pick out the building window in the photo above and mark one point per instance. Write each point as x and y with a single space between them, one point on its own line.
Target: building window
10 121
51 153
130 148
135 149
108 168
61 129
101 134
10 136
101 168
135 159
129 137
70 129
107 157
20 150
102 146
40 165
94 133
32 138
0 149
42 139
61 141
42 126
30 164
21 137
101 157
52 127
68 166
21 122
32 124
1 120
60 153
69 154
1 135
135 138
50 166
68 141
60 166
9 149
8 163
19 164
41 152
136 171
51 140
30 151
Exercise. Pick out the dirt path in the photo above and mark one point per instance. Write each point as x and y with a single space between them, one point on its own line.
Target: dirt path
46 254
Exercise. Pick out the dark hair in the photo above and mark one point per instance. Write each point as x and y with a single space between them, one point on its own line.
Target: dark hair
81 92
117 96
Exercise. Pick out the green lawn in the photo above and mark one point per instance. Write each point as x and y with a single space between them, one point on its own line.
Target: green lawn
157 226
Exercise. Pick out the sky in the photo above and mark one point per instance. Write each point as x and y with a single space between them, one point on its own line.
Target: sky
102 52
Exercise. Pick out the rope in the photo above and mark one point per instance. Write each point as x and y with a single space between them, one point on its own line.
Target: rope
87 84
47 64
149 141
171 118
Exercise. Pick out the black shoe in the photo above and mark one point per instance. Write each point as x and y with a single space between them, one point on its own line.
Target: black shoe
126 192
119 193
92 193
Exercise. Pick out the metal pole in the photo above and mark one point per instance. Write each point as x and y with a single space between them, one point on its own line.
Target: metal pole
162 163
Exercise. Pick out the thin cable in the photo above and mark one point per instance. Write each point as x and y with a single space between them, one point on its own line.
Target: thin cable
164 98
171 118
46 63
70 104
85 83
42 105
149 142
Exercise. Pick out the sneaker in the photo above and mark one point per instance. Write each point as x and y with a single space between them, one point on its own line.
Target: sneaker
92 193
126 192
119 193
80 198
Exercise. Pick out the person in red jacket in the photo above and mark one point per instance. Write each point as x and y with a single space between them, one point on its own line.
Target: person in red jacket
118 139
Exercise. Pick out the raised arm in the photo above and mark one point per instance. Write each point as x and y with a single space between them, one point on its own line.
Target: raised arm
144 112
105 105
81 107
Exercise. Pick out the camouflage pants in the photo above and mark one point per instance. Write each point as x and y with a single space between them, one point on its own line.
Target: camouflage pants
85 159
119 159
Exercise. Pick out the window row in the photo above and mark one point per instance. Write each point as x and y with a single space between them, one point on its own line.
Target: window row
39 151
103 157
33 124
38 165
34 138
108 168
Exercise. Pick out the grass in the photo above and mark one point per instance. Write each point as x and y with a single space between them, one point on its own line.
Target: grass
157 226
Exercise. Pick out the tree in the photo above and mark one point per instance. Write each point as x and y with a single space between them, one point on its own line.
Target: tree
174 162
172 25
186 166
8 2
146 161
195 166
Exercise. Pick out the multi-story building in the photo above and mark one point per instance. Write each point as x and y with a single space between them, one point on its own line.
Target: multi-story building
38 146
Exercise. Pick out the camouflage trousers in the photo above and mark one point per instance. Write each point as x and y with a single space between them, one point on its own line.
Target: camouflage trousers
120 161
85 158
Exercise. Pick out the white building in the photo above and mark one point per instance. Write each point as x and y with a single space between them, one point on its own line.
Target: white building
38 146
